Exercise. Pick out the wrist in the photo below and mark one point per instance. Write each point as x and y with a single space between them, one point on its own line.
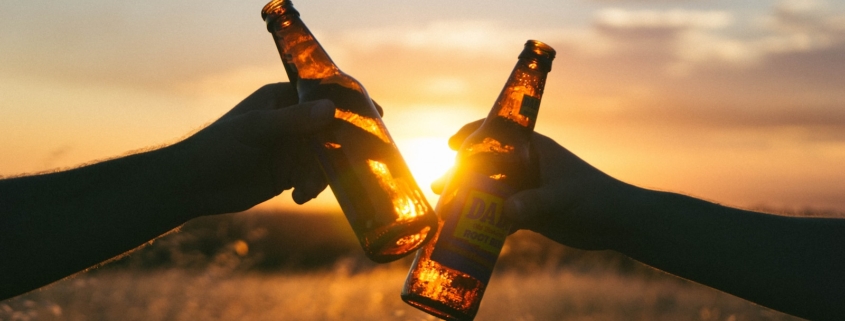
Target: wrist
170 181
658 217
195 178
631 211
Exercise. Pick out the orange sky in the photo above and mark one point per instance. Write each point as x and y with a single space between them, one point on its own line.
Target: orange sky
736 103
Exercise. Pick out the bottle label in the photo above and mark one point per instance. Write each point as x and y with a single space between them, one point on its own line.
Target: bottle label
530 107
474 229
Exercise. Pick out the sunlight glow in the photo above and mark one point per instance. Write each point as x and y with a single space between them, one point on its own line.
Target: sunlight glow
413 239
737 102
401 194
489 145
428 158
371 125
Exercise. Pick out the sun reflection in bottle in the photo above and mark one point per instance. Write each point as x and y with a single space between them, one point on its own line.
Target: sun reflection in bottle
370 125
403 243
330 145
488 145
445 286
498 177
407 207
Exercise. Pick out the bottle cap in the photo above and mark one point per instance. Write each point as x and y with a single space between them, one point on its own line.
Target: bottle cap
540 51
275 9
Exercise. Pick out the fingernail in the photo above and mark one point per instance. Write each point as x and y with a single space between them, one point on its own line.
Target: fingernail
322 109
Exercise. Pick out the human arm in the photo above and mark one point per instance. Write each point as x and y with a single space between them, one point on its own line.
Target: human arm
53 225
790 264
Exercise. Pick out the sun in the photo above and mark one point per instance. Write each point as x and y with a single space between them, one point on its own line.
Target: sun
428 158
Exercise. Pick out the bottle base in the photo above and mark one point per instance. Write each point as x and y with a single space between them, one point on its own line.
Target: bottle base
387 248
436 308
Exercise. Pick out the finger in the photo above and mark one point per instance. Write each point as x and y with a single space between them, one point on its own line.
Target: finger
307 176
458 138
266 127
283 165
378 108
526 206
302 195
304 118
309 184
269 96
439 184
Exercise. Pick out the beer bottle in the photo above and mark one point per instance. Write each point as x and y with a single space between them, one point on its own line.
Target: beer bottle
369 178
449 275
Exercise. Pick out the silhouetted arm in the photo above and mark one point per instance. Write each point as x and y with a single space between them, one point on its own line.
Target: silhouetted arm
54 225
795 265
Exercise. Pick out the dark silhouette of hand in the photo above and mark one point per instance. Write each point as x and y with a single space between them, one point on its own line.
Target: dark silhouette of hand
256 151
790 264
56 224
575 204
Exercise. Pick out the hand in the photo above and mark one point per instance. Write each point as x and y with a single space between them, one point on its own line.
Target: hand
254 152
575 204
64 222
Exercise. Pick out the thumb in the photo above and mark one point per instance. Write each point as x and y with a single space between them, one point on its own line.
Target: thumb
265 127
303 118
439 184
526 206
457 139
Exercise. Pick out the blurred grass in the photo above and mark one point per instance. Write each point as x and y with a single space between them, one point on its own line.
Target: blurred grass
274 266
266 241
219 294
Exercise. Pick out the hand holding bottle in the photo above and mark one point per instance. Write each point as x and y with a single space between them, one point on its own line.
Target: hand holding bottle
576 204
66 221
368 176
785 263
266 128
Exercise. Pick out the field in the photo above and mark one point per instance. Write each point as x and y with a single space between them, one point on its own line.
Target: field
234 267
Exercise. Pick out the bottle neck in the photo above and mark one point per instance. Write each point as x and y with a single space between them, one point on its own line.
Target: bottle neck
519 101
302 55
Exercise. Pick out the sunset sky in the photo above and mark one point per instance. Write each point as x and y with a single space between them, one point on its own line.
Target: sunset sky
742 103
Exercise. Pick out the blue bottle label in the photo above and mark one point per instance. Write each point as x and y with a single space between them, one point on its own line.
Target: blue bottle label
530 106
474 229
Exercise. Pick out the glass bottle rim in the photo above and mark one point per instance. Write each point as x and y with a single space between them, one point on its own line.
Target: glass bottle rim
542 52
277 8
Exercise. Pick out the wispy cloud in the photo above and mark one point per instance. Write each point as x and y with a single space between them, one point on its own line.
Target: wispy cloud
655 19
454 37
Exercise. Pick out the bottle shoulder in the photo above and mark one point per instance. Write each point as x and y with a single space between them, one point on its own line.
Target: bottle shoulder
500 151
497 134
348 95
344 80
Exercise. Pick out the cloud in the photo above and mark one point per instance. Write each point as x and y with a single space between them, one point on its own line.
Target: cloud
703 69
691 39
680 41
668 19
712 70
802 25
804 16
698 68
455 37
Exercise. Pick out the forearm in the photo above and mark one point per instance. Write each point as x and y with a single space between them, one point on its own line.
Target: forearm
54 225
790 264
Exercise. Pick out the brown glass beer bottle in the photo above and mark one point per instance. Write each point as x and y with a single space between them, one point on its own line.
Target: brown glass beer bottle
450 273
368 176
